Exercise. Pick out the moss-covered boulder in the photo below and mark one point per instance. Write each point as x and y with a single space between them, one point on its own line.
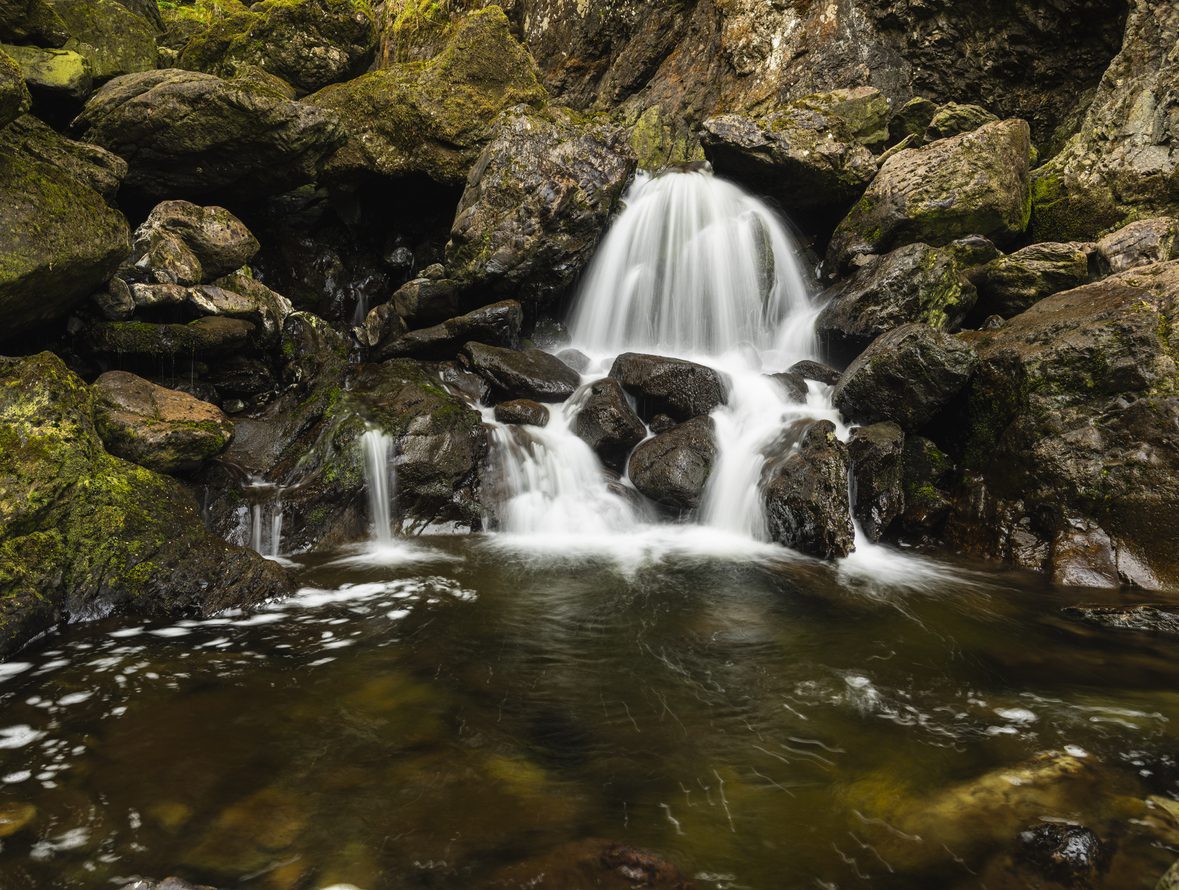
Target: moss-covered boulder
14 94
96 167
60 240
953 119
83 533
433 119
207 337
111 37
1010 284
190 135
54 74
537 202
306 43
31 21
156 427
1071 417
972 184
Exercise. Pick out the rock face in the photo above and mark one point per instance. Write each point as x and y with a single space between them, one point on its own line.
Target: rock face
607 423
1010 284
494 325
672 469
680 389
432 120
196 136
526 374
61 240
83 533
972 184
158 428
306 43
907 376
915 283
876 453
1072 415
805 490
112 38
536 203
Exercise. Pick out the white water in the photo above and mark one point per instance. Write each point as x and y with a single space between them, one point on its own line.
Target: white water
379 483
265 517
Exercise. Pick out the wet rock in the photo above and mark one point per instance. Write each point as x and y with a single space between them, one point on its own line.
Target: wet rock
1158 619
805 487
817 371
1068 854
166 884
793 383
595 863
210 336
661 423
915 283
158 428
907 375
427 301
522 411
99 169
431 120
607 423
876 454
242 377
183 243
953 119
1070 423
972 184
576 359
249 300
537 202
1141 243
806 159
926 479
524 374
60 242
134 544
865 112
15 817
495 325
660 385
305 43
53 75
112 38
1010 284
196 136
672 469
1170 880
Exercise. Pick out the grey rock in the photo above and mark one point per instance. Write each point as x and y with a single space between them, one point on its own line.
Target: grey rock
495 325
521 374
660 385
672 469
607 423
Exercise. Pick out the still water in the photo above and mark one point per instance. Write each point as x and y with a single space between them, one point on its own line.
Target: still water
457 714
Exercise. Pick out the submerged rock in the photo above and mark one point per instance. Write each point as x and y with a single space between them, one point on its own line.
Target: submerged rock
805 487
1010 284
1068 854
158 428
607 424
83 533
495 325
1161 619
672 469
675 387
876 453
523 374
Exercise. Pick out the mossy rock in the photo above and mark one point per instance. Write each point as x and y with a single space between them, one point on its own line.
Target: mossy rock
112 38
14 95
54 73
89 164
83 533
33 22
209 336
432 119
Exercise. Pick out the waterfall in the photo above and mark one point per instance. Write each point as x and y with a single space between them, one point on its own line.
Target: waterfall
265 516
379 483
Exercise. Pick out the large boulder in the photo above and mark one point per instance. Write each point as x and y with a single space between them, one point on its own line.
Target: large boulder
184 243
675 387
972 184
196 136
60 240
1071 450
54 75
805 488
156 427
1010 284
915 283
1141 243
89 164
14 94
521 374
907 376
306 43
31 21
877 453
606 422
537 202
495 325
432 120
83 533
112 38
235 296
672 469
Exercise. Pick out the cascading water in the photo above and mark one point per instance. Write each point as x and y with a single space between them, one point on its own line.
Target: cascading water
379 483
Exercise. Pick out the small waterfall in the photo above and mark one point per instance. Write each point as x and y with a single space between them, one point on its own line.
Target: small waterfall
377 448
265 499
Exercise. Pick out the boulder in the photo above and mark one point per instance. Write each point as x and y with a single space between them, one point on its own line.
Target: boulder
1141 243
308 44
537 202
876 453
196 136
1071 855
907 376
204 338
911 119
792 383
183 243
112 38
60 240
805 158
926 475
495 325
953 119
672 469
1159 619
675 387
1010 284
84 534
805 488
158 428
972 184
1071 441
817 371
427 301
31 21
89 164
606 422
234 296
522 411
865 112
521 374
912 284
14 94
432 120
